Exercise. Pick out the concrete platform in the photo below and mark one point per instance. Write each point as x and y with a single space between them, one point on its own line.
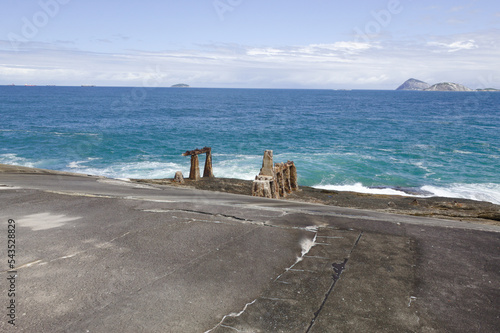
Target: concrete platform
100 255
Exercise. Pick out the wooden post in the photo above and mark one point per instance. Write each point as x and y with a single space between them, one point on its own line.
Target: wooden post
293 178
275 193
208 171
286 176
194 173
280 179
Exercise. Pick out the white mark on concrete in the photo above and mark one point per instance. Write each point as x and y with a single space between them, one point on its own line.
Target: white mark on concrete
43 221
300 270
152 200
29 264
69 256
233 314
78 194
284 282
125 182
306 245
287 300
8 187
311 228
412 298
108 244
317 257
125 234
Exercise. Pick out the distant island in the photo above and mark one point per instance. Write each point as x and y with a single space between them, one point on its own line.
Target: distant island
488 89
180 85
448 86
414 84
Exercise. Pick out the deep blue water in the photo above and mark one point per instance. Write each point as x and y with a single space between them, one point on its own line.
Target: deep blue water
444 143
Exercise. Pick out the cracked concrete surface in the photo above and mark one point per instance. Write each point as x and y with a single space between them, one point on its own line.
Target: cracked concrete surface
173 260
296 298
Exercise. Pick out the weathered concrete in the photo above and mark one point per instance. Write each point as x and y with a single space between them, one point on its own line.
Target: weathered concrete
102 255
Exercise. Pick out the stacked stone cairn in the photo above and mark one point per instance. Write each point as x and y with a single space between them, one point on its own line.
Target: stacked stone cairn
275 181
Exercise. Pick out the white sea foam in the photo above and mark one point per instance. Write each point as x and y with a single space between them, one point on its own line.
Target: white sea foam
360 188
13 159
132 169
75 164
488 192
482 192
246 173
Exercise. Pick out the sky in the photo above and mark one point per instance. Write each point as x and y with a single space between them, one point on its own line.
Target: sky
315 44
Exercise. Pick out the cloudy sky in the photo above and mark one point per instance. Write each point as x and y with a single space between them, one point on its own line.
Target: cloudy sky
250 43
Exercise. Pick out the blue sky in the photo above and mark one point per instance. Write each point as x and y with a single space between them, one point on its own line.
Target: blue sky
250 43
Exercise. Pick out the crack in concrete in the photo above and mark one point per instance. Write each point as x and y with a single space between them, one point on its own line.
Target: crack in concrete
230 327
101 308
40 262
338 268
239 219
231 315
306 247
197 212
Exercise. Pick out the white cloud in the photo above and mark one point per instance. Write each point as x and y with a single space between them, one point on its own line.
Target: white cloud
268 51
455 46
341 64
318 50
344 46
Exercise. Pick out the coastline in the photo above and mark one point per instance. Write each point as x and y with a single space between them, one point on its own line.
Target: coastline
436 207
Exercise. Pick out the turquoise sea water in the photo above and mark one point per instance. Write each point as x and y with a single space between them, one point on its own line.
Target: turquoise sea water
423 143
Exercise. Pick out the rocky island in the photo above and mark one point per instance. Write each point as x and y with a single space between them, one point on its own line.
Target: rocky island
180 85
414 84
448 86
488 89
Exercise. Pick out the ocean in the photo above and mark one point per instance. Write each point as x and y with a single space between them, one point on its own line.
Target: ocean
394 142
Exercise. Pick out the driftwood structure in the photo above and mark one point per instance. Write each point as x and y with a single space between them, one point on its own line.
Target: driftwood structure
275 181
194 172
